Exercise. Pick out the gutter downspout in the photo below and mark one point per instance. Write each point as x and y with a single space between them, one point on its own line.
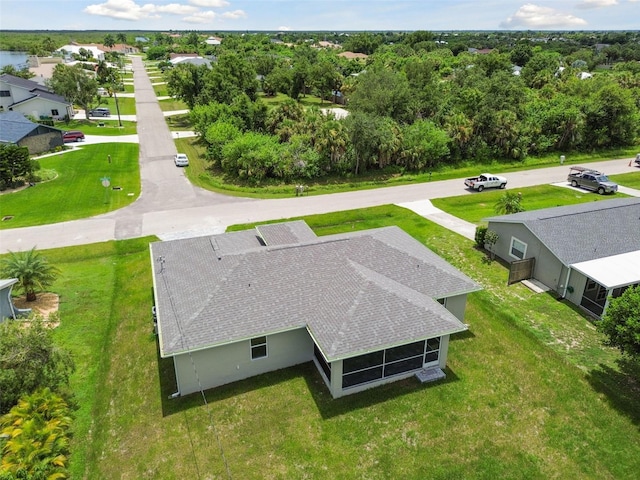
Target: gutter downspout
566 282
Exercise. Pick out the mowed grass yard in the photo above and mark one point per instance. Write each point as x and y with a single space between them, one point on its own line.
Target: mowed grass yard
74 189
513 405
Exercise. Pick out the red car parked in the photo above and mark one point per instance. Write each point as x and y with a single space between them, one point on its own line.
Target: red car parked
72 136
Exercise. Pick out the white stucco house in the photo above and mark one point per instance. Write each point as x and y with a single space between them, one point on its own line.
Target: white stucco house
587 253
32 98
96 51
367 307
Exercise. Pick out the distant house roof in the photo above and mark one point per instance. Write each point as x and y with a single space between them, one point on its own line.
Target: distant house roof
354 292
353 55
192 60
584 232
182 55
14 126
481 51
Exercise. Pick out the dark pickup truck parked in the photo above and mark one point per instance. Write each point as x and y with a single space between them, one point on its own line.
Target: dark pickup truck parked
591 180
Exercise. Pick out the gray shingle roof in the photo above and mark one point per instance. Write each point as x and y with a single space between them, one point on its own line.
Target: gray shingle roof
354 292
286 233
588 231
14 126
34 88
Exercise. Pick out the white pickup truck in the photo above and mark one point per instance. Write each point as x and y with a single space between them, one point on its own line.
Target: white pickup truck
486 180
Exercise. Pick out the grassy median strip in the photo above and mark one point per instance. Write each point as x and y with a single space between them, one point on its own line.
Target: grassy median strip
76 189
529 393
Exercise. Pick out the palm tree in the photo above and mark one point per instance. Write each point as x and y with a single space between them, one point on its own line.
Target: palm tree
510 202
32 270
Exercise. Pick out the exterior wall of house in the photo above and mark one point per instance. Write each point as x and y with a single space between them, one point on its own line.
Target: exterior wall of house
42 142
456 305
41 107
548 269
230 363
6 305
17 94
578 281
336 374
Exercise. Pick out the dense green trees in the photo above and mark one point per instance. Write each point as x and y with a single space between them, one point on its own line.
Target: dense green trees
74 84
621 322
415 104
35 443
29 360
15 165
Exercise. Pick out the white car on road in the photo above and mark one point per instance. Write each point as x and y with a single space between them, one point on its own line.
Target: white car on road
181 160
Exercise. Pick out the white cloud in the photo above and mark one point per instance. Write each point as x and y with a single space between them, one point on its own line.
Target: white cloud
535 16
210 3
176 9
236 14
585 4
129 10
201 17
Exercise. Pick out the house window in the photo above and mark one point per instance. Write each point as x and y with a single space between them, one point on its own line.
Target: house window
591 286
54 113
5 93
518 249
258 347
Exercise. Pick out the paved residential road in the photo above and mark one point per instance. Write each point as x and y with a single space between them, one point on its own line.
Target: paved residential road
170 206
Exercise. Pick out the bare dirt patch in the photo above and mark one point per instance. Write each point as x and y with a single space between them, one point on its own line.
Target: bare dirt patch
45 304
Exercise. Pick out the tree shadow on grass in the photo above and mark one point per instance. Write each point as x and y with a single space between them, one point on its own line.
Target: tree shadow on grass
621 387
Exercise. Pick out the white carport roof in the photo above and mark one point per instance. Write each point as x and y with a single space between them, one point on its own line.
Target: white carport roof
614 271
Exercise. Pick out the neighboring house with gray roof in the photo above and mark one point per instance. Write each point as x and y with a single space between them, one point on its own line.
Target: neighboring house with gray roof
16 129
587 253
30 98
366 307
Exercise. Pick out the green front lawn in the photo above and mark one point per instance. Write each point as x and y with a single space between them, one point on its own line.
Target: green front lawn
179 122
127 105
530 392
90 127
161 90
631 180
75 190
172 104
473 208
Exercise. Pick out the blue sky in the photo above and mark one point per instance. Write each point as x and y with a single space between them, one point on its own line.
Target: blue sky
333 15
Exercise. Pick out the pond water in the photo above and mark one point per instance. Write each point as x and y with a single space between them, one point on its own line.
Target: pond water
17 59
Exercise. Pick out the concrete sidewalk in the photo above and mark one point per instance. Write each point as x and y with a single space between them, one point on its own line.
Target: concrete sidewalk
426 209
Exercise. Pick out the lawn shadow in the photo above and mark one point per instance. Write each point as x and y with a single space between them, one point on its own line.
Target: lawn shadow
327 406
621 387
330 407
